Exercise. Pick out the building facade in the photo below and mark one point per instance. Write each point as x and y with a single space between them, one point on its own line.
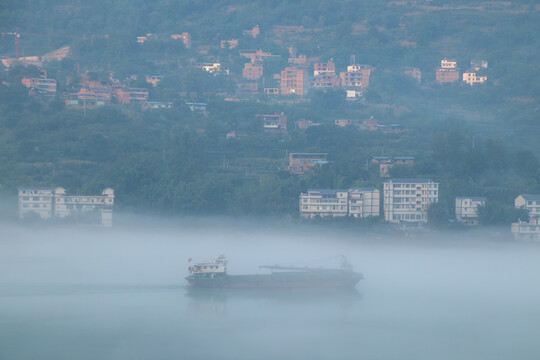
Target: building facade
407 200
357 202
529 202
293 81
276 123
467 209
527 231
470 77
300 163
364 202
55 203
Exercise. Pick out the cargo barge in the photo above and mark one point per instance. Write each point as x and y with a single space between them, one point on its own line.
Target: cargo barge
213 274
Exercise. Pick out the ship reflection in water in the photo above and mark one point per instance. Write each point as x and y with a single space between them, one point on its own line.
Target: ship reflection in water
213 302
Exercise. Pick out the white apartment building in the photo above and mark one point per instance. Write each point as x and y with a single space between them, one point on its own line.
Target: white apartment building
358 202
467 209
529 231
529 202
407 200
36 201
48 203
364 202
323 202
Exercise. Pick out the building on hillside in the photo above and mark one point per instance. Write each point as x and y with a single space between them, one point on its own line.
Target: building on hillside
304 124
36 201
298 61
247 88
364 202
356 76
253 32
325 81
185 37
300 163
252 71
324 202
131 95
212 68
153 79
386 163
346 122
415 73
467 209
229 44
479 64
527 231
472 78
529 202
448 64
293 81
157 105
255 56
271 91
44 89
197 107
407 200
448 72
90 96
446 76
327 68
55 203
357 202
276 123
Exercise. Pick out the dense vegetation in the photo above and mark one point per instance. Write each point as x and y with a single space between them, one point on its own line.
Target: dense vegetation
473 140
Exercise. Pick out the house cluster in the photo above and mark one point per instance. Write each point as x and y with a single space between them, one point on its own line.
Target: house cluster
298 78
404 201
448 72
47 203
184 37
386 163
301 163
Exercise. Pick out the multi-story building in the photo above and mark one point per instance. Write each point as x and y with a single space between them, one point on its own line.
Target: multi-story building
229 44
325 81
324 202
299 61
529 202
252 71
48 203
364 202
528 231
386 163
212 68
448 72
328 68
293 81
153 79
276 123
255 56
357 202
407 200
131 95
41 88
185 37
76 205
470 77
479 64
357 76
36 201
467 209
300 163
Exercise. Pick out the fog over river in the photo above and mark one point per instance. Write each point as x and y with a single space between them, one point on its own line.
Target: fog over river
120 293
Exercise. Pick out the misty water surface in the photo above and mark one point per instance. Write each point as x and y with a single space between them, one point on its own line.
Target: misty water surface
90 293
